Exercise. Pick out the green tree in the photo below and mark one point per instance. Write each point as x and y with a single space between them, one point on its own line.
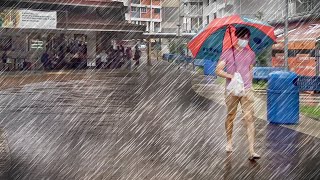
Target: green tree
264 57
172 47
259 15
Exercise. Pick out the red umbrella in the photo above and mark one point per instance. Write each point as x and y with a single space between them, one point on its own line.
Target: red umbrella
220 34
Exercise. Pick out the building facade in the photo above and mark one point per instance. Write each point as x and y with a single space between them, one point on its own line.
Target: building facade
144 12
269 11
170 16
191 15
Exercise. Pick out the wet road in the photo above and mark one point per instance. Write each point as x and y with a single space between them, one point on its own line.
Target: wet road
148 124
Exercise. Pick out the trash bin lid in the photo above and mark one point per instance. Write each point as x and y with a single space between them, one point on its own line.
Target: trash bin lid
282 80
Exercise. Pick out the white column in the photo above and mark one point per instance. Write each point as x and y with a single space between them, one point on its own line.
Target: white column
91 48
151 16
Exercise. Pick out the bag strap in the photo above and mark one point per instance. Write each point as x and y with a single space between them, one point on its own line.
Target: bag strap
234 58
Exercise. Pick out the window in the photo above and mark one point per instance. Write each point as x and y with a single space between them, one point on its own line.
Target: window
144 10
157 27
135 1
208 19
134 9
157 10
207 2
214 15
200 22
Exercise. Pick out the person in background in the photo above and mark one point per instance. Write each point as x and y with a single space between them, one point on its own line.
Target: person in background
4 59
119 58
182 58
45 59
103 59
137 55
122 49
67 59
75 60
114 58
109 57
128 58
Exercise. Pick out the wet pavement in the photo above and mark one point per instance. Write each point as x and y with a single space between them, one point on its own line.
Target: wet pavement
146 124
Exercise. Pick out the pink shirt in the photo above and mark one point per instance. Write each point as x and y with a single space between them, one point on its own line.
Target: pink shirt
242 62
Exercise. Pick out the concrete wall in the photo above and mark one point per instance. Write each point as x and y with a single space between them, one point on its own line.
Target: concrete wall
271 10
192 16
170 3
209 10
170 19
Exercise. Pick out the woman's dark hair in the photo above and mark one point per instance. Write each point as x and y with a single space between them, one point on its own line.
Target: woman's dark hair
242 31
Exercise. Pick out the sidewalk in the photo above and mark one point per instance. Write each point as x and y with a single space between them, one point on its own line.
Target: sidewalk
208 87
146 124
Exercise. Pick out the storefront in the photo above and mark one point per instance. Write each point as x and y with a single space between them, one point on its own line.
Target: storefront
26 34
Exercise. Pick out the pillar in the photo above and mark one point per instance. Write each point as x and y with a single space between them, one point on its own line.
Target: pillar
91 49
149 52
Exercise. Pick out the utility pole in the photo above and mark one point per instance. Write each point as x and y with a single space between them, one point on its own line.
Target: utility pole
179 19
151 16
240 8
129 9
149 39
286 35
317 49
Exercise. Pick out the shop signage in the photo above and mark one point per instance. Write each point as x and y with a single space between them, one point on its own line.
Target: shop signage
28 19
36 44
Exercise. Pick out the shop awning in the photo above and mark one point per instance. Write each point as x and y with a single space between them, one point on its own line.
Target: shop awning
86 3
168 35
100 25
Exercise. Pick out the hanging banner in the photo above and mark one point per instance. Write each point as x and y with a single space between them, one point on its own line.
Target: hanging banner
28 19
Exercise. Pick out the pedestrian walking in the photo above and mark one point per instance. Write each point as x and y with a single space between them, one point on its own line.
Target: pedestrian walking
45 59
241 59
128 58
75 60
118 59
137 55
103 56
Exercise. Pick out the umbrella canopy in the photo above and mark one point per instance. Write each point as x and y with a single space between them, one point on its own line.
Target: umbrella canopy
219 35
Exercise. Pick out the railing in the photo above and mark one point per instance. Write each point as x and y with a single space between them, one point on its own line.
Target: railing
180 58
304 83
308 83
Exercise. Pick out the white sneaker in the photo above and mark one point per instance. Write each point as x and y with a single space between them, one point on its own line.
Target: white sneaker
229 148
254 156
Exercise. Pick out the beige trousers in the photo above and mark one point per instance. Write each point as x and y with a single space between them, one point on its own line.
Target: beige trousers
247 109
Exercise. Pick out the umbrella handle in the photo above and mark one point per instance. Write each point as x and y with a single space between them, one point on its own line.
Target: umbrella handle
234 58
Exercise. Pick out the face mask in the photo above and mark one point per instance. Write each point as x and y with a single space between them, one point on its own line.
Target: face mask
242 43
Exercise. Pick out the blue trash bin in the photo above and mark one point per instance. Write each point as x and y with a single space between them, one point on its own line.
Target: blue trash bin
209 67
283 98
170 57
165 57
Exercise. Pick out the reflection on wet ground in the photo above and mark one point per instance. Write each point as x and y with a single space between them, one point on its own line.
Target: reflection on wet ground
147 124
